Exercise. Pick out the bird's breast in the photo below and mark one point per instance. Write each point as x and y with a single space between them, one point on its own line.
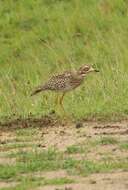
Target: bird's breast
75 82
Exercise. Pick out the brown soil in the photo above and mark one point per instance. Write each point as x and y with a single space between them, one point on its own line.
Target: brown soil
54 134
44 121
7 184
109 181
63 136
7 161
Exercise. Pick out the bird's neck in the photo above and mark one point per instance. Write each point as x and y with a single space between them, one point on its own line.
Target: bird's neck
78 75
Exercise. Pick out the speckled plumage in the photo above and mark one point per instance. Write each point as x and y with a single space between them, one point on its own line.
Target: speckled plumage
66 81
63 82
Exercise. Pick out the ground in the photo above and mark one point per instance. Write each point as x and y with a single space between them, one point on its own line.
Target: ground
68 156
42 38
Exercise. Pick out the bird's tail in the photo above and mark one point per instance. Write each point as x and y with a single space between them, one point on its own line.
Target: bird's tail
38 89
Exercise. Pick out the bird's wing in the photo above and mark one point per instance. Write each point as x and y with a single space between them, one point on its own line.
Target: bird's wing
60 77
58 81
63 75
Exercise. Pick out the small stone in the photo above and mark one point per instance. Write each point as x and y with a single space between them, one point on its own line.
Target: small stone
114 149
3 142
79 125
92 181
62 133
41 145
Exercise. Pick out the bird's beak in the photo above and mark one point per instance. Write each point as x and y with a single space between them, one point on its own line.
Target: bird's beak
94 70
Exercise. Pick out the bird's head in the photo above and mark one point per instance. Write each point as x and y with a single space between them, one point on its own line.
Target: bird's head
85 69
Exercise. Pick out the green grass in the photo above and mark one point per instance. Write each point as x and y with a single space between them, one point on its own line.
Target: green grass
29 165
89 167
45 37
33 182
75 149
107 141
15 146
124 145
51 160
86 146
58 181
31 162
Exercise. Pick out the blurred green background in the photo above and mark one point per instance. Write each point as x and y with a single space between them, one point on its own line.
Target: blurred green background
39 38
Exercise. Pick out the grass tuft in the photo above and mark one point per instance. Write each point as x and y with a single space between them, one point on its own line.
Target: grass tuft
107 141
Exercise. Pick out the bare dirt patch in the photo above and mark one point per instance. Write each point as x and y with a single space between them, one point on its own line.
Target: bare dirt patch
7 184
7 161
63 136
52 174
6 137
109 181
55 135
44 121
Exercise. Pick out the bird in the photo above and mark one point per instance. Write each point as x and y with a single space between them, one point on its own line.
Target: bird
67 81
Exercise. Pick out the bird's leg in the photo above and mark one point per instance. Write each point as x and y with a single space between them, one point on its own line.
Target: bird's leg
57 100
61 101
